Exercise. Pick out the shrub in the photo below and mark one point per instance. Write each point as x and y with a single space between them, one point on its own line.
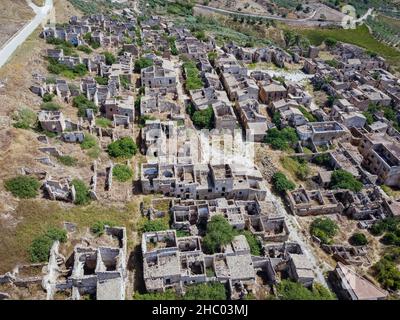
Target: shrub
330 42
388 224
88 142
85 49
254 243
98 227
94 152
168 294
281 183
24 118
67 160
103 122
219 233
296 166
110 58
142 63
23 187
122 148
154 225
122 173
358 239
324 229
281 139
47 97
82 195
206 291
82 103
342 179
322 159
193 80
50 106
204 119
387 273
39 249
289 290
101 80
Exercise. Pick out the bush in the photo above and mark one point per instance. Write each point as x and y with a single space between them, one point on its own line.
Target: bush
193 79
88 142
50 106
204 119
289 290
82 103
296 166
39 250
103 122
24 118
23 187
99 226
281 183
281 139
168 294
387 273
47 97
254 243
101 80
219 233
110 58
324 229
206 291
82 196
342 179
154 225
67 160
142 63
358 239
388 224
85 49
122 148
330 42
122 173
322 159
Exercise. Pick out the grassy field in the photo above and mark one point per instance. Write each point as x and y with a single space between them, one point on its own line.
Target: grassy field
34 217
359 36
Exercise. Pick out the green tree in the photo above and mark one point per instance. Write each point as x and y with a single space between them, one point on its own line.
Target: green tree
23 187
342 179
82 103
324 229
219 233
142 63
122 148
281 139
281 183
204 119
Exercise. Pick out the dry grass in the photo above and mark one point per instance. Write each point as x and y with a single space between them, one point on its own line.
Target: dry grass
35 216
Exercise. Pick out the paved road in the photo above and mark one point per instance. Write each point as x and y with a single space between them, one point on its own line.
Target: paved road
13 43
305 21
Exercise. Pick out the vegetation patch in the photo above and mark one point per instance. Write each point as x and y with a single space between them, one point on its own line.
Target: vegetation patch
82 192
82 103
39 250
122 148
99 226
281 183
296 166
24 118
219 233
206 291
193 79
50 106
342 179
324 229
23 187
122 173
281 139
67 160
289 290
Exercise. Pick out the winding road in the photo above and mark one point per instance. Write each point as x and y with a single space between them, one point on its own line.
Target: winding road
17 39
